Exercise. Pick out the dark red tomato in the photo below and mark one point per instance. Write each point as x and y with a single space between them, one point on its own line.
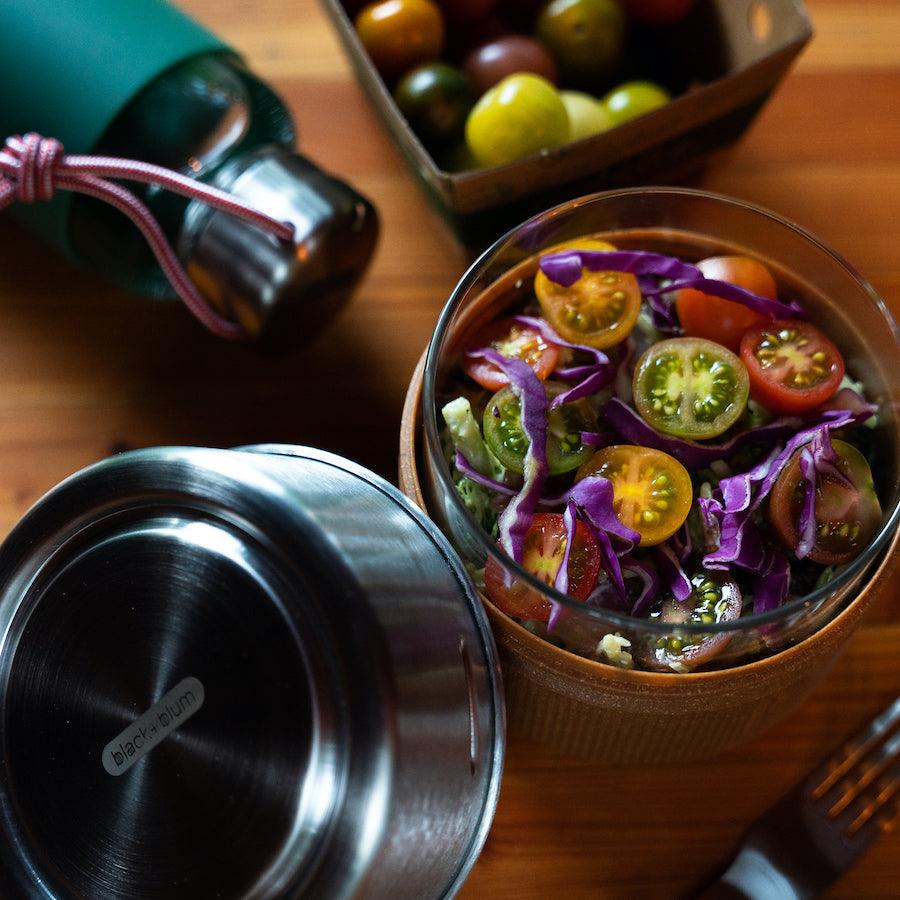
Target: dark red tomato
515 341
657 12
847 510
466 10
715 598
545 547
491 63
793 367
724 321
400 34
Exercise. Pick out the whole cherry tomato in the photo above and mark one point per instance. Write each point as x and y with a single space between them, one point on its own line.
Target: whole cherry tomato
399 34
586 38
633 99
724 321
435 99
521 115
491 63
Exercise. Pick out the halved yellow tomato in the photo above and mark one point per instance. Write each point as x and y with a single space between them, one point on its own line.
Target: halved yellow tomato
599 310
652 491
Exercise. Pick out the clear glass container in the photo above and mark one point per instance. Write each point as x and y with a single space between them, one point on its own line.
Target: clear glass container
691 225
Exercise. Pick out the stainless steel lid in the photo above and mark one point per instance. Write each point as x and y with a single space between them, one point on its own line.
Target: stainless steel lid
256 673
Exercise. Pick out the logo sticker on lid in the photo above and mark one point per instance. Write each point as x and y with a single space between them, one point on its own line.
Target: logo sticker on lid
171 711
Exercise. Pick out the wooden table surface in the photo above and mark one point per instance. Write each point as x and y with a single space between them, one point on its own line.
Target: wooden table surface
86 370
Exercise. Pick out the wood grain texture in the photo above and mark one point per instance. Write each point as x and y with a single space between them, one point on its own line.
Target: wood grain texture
86 370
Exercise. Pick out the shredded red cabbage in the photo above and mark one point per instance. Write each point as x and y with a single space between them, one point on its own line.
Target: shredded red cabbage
672 574
807 524
594 376
741 495
561 583
628 423
681 542
515 520
592 498
565 269
649 580
771 583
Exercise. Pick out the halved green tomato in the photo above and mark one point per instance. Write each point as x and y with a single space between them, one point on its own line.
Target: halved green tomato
847 514
508 442
690 387
599 310
542 555
715 598
652 491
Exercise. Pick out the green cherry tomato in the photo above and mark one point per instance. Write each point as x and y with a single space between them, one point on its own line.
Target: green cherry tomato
435 99
400 34
690 387
586 37
507 440
633 99
518 117
587 115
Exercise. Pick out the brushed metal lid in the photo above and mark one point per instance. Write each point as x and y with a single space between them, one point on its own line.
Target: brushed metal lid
240 674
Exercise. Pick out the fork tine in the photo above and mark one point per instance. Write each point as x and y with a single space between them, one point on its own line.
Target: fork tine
858 747
879 761
876 804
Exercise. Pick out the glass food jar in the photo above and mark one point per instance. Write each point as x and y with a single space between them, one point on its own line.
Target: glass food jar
578 689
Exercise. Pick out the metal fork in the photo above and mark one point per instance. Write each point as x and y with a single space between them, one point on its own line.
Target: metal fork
801 845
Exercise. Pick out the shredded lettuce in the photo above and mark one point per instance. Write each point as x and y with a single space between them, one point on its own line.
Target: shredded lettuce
478 501
467 439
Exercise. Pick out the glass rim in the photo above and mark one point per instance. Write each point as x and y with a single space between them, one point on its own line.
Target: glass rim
617 619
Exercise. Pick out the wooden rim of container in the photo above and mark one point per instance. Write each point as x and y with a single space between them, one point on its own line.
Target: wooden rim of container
549 659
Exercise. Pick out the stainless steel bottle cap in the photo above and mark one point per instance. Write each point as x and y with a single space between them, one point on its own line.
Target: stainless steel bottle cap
282 291
257 674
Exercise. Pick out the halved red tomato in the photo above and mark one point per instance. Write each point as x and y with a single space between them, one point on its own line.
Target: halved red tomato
545 547
652 491
724 321
515 341
847 512
599 310
793 367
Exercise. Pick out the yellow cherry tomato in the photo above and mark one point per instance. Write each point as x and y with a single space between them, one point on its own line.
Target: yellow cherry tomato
518 117
652 491
400 34
599 310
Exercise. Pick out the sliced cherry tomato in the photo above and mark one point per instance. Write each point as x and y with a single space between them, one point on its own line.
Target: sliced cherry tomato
545 547
724 321
516 341
847 514
715 598
793 367
509 443
652 492
399 34
690 387
599 310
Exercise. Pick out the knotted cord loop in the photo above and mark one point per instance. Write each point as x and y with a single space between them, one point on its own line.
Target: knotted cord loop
33 167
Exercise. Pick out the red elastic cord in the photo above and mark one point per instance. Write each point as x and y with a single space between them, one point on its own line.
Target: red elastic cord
33 167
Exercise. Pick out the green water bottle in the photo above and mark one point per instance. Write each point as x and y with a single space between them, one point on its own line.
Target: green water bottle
139 79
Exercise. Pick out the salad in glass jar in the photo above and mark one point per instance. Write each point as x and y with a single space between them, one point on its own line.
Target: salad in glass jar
659 438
